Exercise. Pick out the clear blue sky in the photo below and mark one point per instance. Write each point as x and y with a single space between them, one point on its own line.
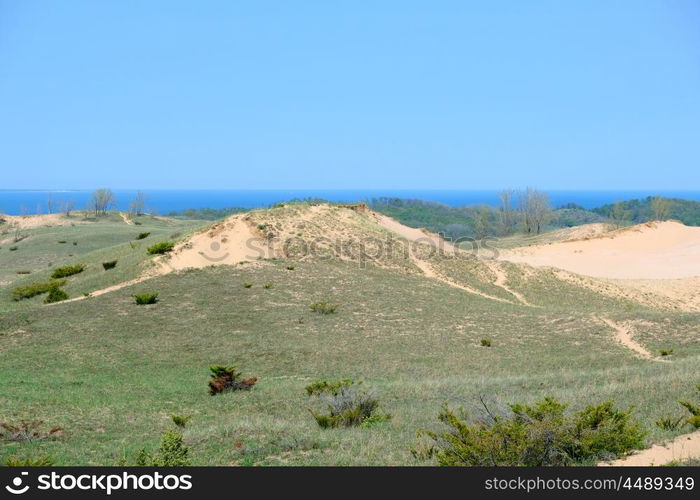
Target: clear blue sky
347 94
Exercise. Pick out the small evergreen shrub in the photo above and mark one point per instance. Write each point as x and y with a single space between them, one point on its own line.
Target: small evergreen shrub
290 268
43 461
160 248
109 265
247 284
65 271
143 236
12 249
29 291
694 410
670 424
666 352
539 435
55 295
328 387
143 299
486 342
323 307
171 453
349 407
227 379
180 421
62 241
24 271
267 285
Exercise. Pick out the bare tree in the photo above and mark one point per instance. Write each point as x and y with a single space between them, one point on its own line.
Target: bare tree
68 207
49 204
103 199
506 212
660 208
618 215
535 210
138 204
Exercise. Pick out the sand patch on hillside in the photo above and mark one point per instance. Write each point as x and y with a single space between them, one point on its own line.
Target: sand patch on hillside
34 221
681 448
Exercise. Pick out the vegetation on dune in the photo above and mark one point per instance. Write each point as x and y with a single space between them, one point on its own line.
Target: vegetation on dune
347 404
171 453
160 248
228 379
55 295
206 213
653 208
323 307
65 271
29 291
533 435
144 235
146 298
109 265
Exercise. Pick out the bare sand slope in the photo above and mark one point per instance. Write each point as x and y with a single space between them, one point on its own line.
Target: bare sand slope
34 221
663 250
681 448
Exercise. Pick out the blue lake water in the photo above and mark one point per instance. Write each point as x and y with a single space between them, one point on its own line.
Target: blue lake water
15 202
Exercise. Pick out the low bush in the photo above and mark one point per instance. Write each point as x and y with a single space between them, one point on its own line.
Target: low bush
486 342
328 387
290 268
670 424
15 461
27 430
65 271
142 236
24 271
267 285
349 407
323 307
227 379
179 420
29 291
539 435
109 265
247 284
160 248
12 249
666 352
171 453
694 410
62 241
143 299
55 295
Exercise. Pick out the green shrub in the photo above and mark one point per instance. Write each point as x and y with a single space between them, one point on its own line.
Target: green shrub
694 410
328 387
55 295
12 249
227 379
15 461
65 271
142 236
24 271
247 284
146 298
62 241
29 291
171 453
349 407
666 352
109 265
539 435
670 424
323 307
160 248
290 268
180 421
486 342
267 285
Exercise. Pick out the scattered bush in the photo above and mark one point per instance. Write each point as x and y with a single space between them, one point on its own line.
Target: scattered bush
171 453
247 284
486 342
666 352
349 407
75 243
670 424
110 265
29 291
539 435
323 307
143 299
27 430
62 241
65 271
694 410
24 271
142 236
227 379
175 236
15 461
160 248
12 249
267 285
55 295
180 421
328 387
262 227
290 268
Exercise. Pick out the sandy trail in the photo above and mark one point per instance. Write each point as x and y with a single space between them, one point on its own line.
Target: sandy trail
502 278
624 337
126 219
681 448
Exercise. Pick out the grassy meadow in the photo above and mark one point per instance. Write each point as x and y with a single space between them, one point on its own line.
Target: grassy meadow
110 373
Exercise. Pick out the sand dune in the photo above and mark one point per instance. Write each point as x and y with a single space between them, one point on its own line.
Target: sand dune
663 250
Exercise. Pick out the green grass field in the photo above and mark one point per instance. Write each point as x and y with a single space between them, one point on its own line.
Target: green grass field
110 373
